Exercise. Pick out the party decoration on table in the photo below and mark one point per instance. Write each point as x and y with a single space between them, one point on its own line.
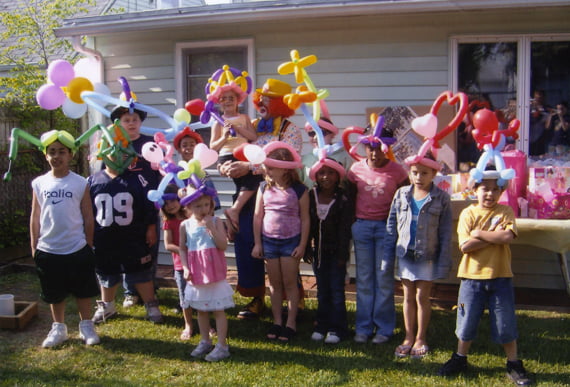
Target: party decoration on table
375 139
225 79
427 124
492 141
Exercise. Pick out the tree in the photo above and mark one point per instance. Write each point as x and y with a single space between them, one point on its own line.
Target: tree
29 29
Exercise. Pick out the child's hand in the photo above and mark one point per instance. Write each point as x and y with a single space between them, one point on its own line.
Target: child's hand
209 223
257 251
187 275
298 253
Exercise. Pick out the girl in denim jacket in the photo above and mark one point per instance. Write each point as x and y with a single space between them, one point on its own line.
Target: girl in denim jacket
418 233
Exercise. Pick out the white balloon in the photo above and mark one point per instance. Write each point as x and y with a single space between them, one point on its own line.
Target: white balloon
101 88
254 153
88 68
72 109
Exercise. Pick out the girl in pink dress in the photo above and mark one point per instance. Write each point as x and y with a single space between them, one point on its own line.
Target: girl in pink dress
281 230
202 245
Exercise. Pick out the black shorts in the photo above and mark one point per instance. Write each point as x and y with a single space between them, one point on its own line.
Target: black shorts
117 262
62 275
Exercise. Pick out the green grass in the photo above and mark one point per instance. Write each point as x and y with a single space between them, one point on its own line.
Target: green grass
134 352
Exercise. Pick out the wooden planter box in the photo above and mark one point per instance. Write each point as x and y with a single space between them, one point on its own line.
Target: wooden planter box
24 313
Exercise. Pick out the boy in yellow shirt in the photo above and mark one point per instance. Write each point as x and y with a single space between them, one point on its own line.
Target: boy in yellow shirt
484 232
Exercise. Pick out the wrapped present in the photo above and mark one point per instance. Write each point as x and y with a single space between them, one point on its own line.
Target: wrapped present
549 205
444 183
516 160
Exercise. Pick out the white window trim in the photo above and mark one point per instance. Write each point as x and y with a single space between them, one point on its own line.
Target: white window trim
523 57
178 66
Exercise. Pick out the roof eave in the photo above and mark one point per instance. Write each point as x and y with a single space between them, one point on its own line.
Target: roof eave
250 12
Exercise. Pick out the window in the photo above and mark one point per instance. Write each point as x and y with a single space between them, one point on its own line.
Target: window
524 77
196 62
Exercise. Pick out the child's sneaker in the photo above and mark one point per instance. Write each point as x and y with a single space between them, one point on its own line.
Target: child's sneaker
153 313
317 336
104 311
332 338
130 300
219 352
56 336
202 349
87 332
454 365
517 373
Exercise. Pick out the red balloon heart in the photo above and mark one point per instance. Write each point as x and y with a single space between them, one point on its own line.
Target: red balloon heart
351 149
195 106
447 96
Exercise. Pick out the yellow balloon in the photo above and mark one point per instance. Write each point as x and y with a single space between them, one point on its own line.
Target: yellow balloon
181 115
76 86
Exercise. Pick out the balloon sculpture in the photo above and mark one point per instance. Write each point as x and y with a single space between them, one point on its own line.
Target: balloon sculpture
115 148
375 139
72 88
492 141
426 126
224 79
159 155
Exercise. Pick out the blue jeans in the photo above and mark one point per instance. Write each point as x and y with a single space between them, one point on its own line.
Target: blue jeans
181 284
498 295
331 311
374 280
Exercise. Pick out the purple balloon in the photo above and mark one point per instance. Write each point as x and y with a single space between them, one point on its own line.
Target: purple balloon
60 72
50 97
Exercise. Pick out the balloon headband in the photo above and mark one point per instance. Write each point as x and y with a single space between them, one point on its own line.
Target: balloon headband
426 126
62 136
270 162
169 196
115 148
201 189
228 79
492 141
375 139
187 132
326 162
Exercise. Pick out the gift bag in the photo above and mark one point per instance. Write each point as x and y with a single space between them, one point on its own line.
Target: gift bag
516 160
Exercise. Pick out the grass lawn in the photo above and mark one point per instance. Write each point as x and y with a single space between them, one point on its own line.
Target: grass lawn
134 352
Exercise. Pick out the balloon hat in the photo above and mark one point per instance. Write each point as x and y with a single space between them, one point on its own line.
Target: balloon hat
426 126
375 139
115 148
225 79
187 132
324 161
196 189
492 141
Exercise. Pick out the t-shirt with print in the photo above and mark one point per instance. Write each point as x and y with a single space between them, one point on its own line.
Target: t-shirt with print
375 188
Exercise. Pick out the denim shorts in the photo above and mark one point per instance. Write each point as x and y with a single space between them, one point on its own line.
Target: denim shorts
277 248
61 275
496 294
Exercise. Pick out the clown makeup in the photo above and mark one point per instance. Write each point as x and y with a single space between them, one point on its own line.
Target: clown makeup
375 157
187 145
327 179
422 177
132 125
488 193
58 156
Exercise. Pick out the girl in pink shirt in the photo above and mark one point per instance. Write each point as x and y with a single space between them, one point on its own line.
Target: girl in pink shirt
376 179
281 230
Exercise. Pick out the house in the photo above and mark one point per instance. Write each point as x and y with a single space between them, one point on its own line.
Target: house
371 54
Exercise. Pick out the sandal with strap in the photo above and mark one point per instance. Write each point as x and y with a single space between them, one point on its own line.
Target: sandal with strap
287 334
274 332
419 352
402 351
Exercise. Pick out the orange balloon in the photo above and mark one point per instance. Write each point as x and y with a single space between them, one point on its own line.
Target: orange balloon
76 86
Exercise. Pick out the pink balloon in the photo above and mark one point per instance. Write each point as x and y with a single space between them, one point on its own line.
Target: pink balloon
60 72
50 97
425 125
205 155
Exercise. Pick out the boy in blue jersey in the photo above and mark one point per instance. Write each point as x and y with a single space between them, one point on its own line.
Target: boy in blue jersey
125 230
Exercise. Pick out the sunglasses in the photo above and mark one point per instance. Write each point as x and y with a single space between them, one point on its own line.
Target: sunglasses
325 133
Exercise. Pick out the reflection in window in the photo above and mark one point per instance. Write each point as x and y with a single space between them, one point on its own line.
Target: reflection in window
550 85
487 73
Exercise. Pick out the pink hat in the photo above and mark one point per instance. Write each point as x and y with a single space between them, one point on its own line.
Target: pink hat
326 162
417 159
273 145
228 79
